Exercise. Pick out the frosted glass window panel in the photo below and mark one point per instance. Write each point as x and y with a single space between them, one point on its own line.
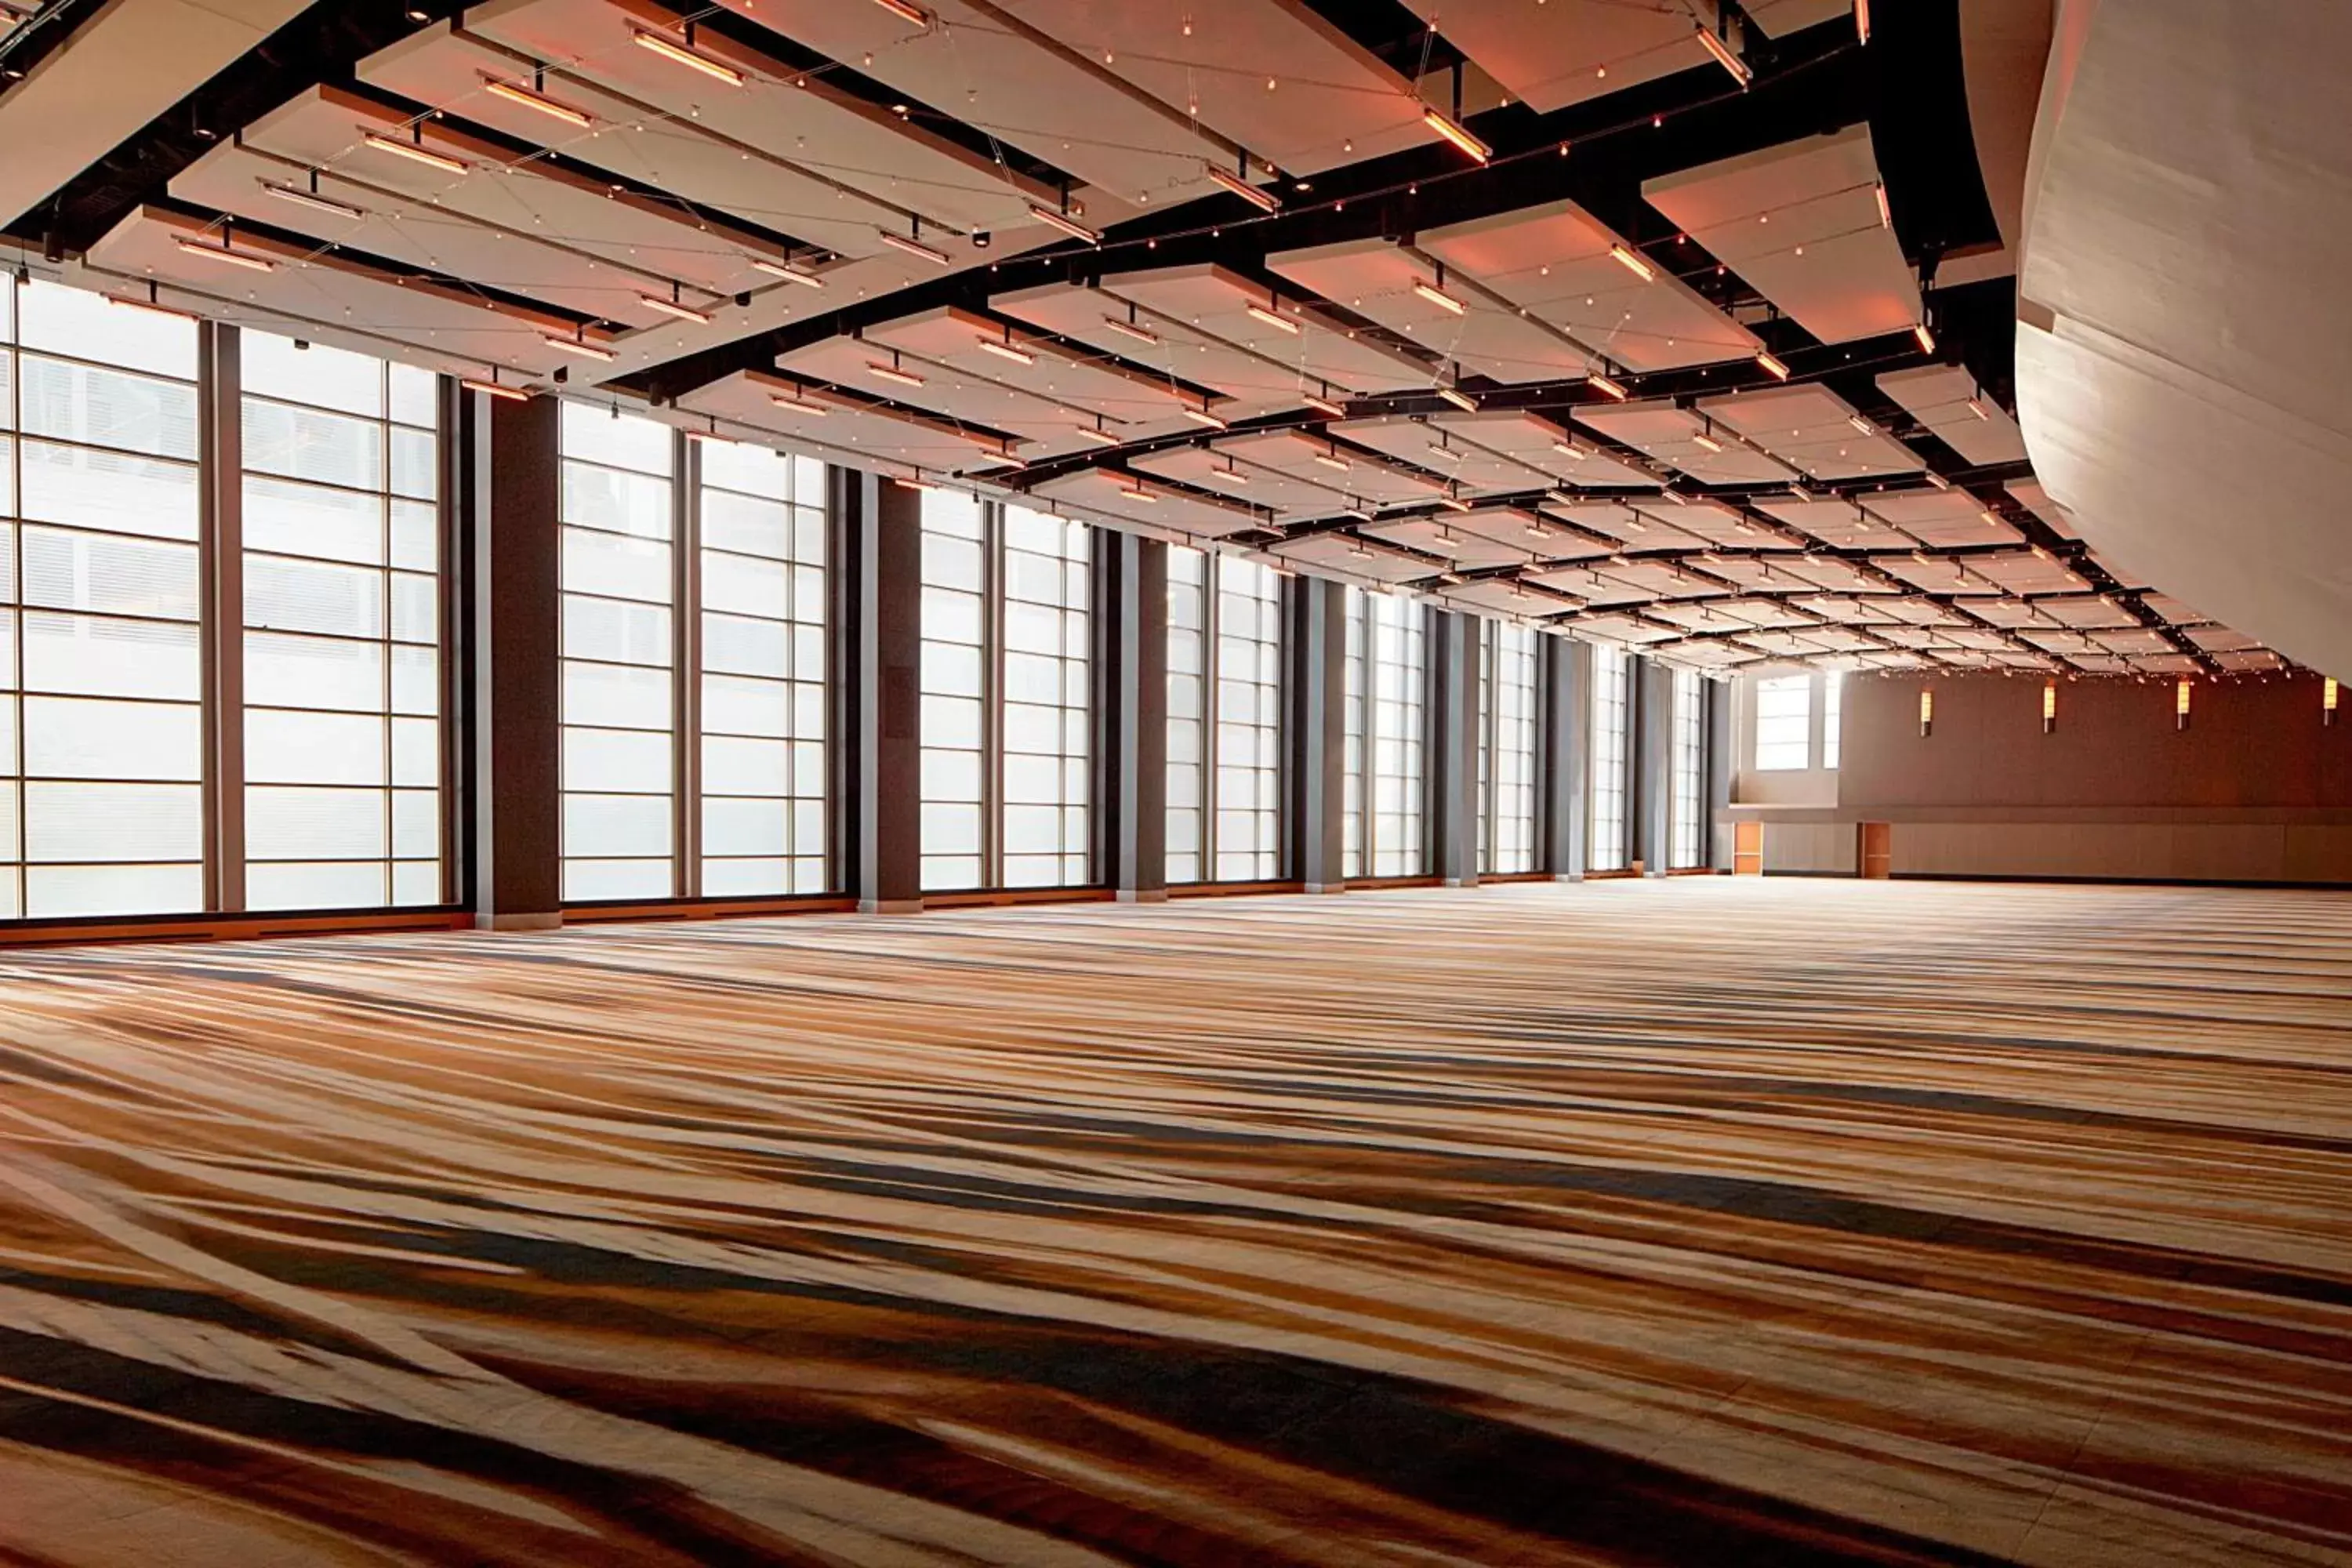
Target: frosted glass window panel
335 673
729 878
346 885
79 324
416 752
616 632
745 584
416 826
746 525
68 570
615 567
617 761
745 826
951 873
416 609
313 444
1784 717
951 776
295 824
739 765
951 828
314 596
615 502
739 705
755 471
415 536
1833 715
83 738
951 615
415 680
416 882
61 893
735 645
416 464
272 366
623 440
91 822
287 519
615 825
416 396
951 721
950 561
315 748
110 491
587 881
91 655
93 407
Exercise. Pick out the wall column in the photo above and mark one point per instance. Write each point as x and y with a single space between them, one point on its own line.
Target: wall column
1652 795
1454 751
878 533
220 437
1314 734
510 478
1718 772
1132 707
1567 801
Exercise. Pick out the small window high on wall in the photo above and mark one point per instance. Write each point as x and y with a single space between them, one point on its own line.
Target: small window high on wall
1225 724
1784 723
1832 714
1007 697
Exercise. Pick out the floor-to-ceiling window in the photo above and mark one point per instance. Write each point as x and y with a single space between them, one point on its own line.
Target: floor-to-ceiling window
1611 671
1507 838
103 743
1225 684
1356 700
341 628
1007 697
1389 679
761 581
620 769
1686 826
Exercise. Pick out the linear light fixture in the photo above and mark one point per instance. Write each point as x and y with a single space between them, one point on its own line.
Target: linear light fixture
1936 480
1438 296
1706 443
312 199
1561 498
1229 475
1771 364
1456 134
1459 398
1632 263
493 389
787 271
1333 461
798 404
1133 331
673 308
1605 387
917 483
687 56
912 247
1977 408
1453 503
1885 214
1065 222
1272 318
995 459
892 371
1861 425
1725 57
2049 706
710 438
1097 435
414 153
1862 21
2328 692
913 15
580 346
1137 492
1203 416
1005 349
1322 402
1262 200
1569 450
223 252
2180 704
1926 338
1926 712
515 92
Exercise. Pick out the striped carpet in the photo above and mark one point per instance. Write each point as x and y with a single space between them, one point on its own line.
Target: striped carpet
1709 1221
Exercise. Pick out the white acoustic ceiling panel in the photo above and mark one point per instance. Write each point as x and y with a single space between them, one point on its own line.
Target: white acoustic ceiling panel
1841 524
1800 223
1559 263
2174 610
2221 640
1946 519
1680 437
1219 303
1074 378
1319 460
1539 444
1454 542
1028 89
944 393
449 69
1407 293
1206 468
1948 401
1157 505
1171 347
2037 500
1572 49
799 118
1340 556
1813 430
1269 75
2089 614
1434 449
2028 571
848 430
1506 598
449 327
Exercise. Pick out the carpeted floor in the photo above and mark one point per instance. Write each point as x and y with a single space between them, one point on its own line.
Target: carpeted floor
1711 1222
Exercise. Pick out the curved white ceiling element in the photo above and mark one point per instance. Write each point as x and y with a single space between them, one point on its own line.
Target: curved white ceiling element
2181 381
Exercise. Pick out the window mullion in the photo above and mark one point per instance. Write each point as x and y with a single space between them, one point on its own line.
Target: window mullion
220 542
686 666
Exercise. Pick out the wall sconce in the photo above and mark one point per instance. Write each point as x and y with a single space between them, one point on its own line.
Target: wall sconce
2327 701
2049 706
1926 712
2181 705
